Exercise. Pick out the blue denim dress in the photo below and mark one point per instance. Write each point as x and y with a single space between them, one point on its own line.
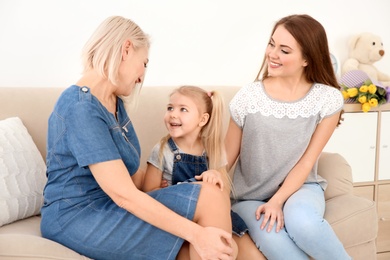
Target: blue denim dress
186 166
77 212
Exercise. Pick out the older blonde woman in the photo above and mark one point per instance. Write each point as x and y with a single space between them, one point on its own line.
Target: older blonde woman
92 203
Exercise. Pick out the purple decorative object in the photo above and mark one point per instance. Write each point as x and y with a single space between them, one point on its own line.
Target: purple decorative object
356 78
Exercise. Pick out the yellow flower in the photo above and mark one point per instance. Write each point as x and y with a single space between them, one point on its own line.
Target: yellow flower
372 88
367 94
363 89
373 102
366 107
345 94
362 99
352 92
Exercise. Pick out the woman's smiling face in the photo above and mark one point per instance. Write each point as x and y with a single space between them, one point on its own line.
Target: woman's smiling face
284 55
132 69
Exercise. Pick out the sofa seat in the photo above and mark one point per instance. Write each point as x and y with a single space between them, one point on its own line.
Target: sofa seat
345 223
22 240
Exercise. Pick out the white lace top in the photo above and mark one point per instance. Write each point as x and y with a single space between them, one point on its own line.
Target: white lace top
275 136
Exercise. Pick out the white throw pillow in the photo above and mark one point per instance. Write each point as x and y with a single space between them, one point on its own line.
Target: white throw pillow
22 172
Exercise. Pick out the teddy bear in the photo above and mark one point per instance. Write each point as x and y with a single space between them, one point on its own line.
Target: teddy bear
364 50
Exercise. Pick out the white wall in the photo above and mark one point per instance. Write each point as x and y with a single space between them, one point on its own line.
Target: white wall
202 42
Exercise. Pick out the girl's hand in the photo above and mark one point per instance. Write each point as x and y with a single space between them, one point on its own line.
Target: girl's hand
273 213
213 243
211 176
164 183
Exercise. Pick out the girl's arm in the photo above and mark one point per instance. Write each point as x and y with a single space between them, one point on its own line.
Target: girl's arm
119 186
298 174
232 143
138 178
153 177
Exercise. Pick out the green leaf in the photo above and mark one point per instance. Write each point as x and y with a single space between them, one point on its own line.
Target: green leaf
344 87
382 101
381 91
367 82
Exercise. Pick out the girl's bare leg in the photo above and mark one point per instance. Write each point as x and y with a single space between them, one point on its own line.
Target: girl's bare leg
247 249
212 209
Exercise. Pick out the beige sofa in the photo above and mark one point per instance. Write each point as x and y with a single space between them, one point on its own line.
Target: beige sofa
353 218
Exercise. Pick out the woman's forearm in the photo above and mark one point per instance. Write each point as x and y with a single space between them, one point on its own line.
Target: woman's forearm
119 186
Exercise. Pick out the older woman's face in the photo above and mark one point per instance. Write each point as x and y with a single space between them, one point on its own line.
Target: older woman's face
132 70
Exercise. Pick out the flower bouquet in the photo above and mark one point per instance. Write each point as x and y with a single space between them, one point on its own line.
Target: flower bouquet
357 87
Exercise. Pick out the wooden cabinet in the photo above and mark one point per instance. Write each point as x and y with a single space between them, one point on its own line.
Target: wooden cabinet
355 140
364 140
384 146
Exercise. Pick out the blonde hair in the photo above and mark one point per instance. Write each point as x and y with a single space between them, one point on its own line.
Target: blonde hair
212 133
103 51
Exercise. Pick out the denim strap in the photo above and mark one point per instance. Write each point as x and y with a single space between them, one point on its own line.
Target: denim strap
174 149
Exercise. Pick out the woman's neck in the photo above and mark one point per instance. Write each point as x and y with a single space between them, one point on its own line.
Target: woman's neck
286 89
101 88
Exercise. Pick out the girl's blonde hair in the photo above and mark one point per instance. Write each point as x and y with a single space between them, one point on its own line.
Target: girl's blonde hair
212 133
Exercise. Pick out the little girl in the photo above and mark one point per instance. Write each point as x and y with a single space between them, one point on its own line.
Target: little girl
194 151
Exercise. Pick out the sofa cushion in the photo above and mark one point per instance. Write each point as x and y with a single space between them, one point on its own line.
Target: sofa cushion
27 226
336 170
22 172
22 240
19 246
353 219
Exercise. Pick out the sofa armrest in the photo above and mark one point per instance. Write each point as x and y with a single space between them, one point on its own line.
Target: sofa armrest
336 170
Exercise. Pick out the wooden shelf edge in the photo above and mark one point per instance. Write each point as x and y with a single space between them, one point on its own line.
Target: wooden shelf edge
354 107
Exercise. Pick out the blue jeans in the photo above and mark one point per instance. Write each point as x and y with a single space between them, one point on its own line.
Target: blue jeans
306 233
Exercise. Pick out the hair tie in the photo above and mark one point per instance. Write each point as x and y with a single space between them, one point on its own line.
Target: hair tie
210 94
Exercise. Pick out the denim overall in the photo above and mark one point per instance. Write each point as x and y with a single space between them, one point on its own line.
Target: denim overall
186 166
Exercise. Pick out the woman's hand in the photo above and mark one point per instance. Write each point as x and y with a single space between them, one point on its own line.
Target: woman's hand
211 176
273 213
213 243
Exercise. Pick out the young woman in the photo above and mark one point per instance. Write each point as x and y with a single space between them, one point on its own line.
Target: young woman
193 150
279 125
91 202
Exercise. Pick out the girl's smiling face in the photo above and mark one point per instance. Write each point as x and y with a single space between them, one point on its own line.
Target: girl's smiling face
183 117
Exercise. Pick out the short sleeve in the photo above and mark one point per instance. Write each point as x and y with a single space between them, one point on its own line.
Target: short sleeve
89 136
237 107
154 157
334 102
